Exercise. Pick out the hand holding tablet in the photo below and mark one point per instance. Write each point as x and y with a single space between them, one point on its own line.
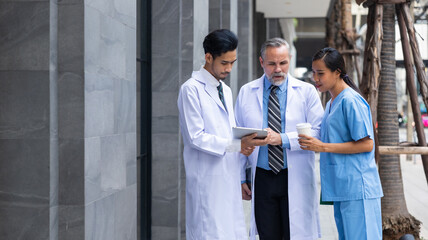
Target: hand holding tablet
239 132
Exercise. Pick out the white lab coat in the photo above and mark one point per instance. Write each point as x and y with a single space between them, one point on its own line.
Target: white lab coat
303 105
213 186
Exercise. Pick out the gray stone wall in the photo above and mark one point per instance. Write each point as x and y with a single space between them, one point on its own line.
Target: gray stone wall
24 120
176 52
69 44
273 28
167 66
68 120
110 120
245 50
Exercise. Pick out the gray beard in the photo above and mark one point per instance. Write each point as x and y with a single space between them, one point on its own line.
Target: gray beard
278 83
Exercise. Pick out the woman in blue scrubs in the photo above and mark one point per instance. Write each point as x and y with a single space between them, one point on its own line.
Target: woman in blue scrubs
349 176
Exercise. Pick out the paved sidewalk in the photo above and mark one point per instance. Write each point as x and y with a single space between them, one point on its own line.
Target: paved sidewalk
415 190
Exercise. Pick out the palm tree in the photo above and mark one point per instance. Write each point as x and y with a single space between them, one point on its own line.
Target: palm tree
396 220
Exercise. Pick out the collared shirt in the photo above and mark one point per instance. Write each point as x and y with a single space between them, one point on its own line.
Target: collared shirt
281 93
209 77
355 176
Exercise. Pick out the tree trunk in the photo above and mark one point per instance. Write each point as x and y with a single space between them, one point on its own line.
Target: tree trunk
348 41
396 220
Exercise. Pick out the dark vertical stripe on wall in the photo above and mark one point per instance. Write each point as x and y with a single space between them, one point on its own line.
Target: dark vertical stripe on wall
53 120
146 117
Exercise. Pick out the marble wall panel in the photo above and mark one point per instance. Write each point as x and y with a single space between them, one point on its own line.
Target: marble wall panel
23 217
24 169
166 105
187 66
215 15
24 120
124 106
225 14
108 46
92 38
165 45
71 171
93 189
24 31
24 104
165 112
166 124
71 222
130 49
99 107
163 150
110 120
110 165
113 163
259 37
126 217
166 51
274 29
113 54
164 180
200 30
245 53
230 10
130 157
24 135
122 11
71 105
71 38
16 1
164 233
24 188
187 44
100 219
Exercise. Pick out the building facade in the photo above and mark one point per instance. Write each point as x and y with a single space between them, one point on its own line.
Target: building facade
90 145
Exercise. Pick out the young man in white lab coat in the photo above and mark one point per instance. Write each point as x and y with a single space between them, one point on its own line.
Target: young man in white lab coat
284 191
213 185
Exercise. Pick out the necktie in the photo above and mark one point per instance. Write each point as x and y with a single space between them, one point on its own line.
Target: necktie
275 153
220 94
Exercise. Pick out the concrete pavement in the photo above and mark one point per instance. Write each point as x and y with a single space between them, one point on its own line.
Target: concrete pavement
415 190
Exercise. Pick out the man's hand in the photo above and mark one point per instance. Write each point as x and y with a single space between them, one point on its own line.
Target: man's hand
251 141
246 191
274 137
247 151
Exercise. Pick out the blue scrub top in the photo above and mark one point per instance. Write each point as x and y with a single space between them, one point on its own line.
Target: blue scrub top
348 176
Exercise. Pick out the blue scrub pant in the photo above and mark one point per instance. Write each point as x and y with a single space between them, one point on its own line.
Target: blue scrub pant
359 219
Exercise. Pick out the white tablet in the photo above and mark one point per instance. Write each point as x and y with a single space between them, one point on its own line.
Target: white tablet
239 132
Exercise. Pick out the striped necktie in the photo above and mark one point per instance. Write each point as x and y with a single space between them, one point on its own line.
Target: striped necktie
275 153
220 95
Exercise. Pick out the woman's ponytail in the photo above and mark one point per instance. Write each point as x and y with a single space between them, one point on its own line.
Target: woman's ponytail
349 81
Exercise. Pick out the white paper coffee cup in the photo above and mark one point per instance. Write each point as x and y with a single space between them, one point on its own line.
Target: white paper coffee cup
304 128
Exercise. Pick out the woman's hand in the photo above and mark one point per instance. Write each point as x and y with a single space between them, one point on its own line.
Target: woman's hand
310 143
313 144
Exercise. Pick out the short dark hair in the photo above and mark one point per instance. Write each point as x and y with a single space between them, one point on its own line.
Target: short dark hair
334 61
220 41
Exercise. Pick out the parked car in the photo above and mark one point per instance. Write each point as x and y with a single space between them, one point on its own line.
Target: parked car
425 119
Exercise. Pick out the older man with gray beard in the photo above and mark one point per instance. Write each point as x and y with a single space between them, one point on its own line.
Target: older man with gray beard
284 191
